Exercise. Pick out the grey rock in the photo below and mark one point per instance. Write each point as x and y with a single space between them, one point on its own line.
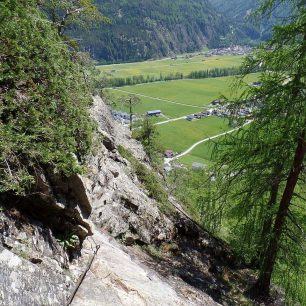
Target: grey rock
119 203
118 279
109 200
26 284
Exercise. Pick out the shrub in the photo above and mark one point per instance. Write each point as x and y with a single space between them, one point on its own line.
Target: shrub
44 100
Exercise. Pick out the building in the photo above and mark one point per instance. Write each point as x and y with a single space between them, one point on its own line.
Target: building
154 113
198 115
256 84
217 102
168 154
167 167
190 118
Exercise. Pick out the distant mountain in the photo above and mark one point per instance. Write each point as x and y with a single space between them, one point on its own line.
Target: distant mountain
244 28
144 29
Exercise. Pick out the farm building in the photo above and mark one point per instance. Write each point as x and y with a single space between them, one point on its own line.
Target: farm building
168 154
190 118
153 113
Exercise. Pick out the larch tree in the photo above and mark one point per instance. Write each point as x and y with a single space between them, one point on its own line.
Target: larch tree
260 173
67 13
130 101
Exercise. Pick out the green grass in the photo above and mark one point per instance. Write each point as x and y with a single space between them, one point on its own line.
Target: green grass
189 159
180 135
198 93
168 109
167 66
200 154
179 98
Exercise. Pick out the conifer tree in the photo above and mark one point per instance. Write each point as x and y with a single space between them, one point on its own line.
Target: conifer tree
67 13
44 100
261 169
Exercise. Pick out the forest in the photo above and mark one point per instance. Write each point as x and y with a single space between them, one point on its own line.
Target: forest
140 30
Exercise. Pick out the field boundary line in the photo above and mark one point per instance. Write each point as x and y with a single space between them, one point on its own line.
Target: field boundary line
159 99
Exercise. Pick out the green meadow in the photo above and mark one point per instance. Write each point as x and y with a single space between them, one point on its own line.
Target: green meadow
179 98
180 135
183 64
201 154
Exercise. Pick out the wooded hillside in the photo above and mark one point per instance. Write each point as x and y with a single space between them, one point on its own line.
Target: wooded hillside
151 29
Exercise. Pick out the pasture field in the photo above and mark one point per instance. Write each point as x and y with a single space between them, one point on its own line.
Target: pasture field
177 98
200 154
180 135
183 64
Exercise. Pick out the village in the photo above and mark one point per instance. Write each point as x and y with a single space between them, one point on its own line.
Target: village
233 50
217 108
221 109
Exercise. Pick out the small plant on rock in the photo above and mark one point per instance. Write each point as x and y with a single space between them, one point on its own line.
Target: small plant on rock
68 240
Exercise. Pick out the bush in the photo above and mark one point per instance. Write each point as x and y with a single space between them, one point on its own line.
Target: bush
44 100
149 179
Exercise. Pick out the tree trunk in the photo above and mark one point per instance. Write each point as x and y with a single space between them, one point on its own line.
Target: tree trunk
268 222
266 228
131 116
262 287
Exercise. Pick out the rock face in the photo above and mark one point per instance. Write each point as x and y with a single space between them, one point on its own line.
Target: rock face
180 266
35 268
32 263
118 277
24 283
119 203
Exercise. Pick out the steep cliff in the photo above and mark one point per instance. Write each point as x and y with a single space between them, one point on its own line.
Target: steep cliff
102 239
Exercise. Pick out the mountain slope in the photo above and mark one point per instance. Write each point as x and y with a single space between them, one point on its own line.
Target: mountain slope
244 28
134 252
150 29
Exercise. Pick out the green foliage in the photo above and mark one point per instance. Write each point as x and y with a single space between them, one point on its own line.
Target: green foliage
66 13
149 179
246 26
68 240
44 99
150 29
192 189
259 177
146 132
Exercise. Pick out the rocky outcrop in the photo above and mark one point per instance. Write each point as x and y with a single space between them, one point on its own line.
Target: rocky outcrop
35 268
154 260
119 276
120 204
110 199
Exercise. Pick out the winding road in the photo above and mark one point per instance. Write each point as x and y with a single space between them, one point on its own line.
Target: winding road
168 160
